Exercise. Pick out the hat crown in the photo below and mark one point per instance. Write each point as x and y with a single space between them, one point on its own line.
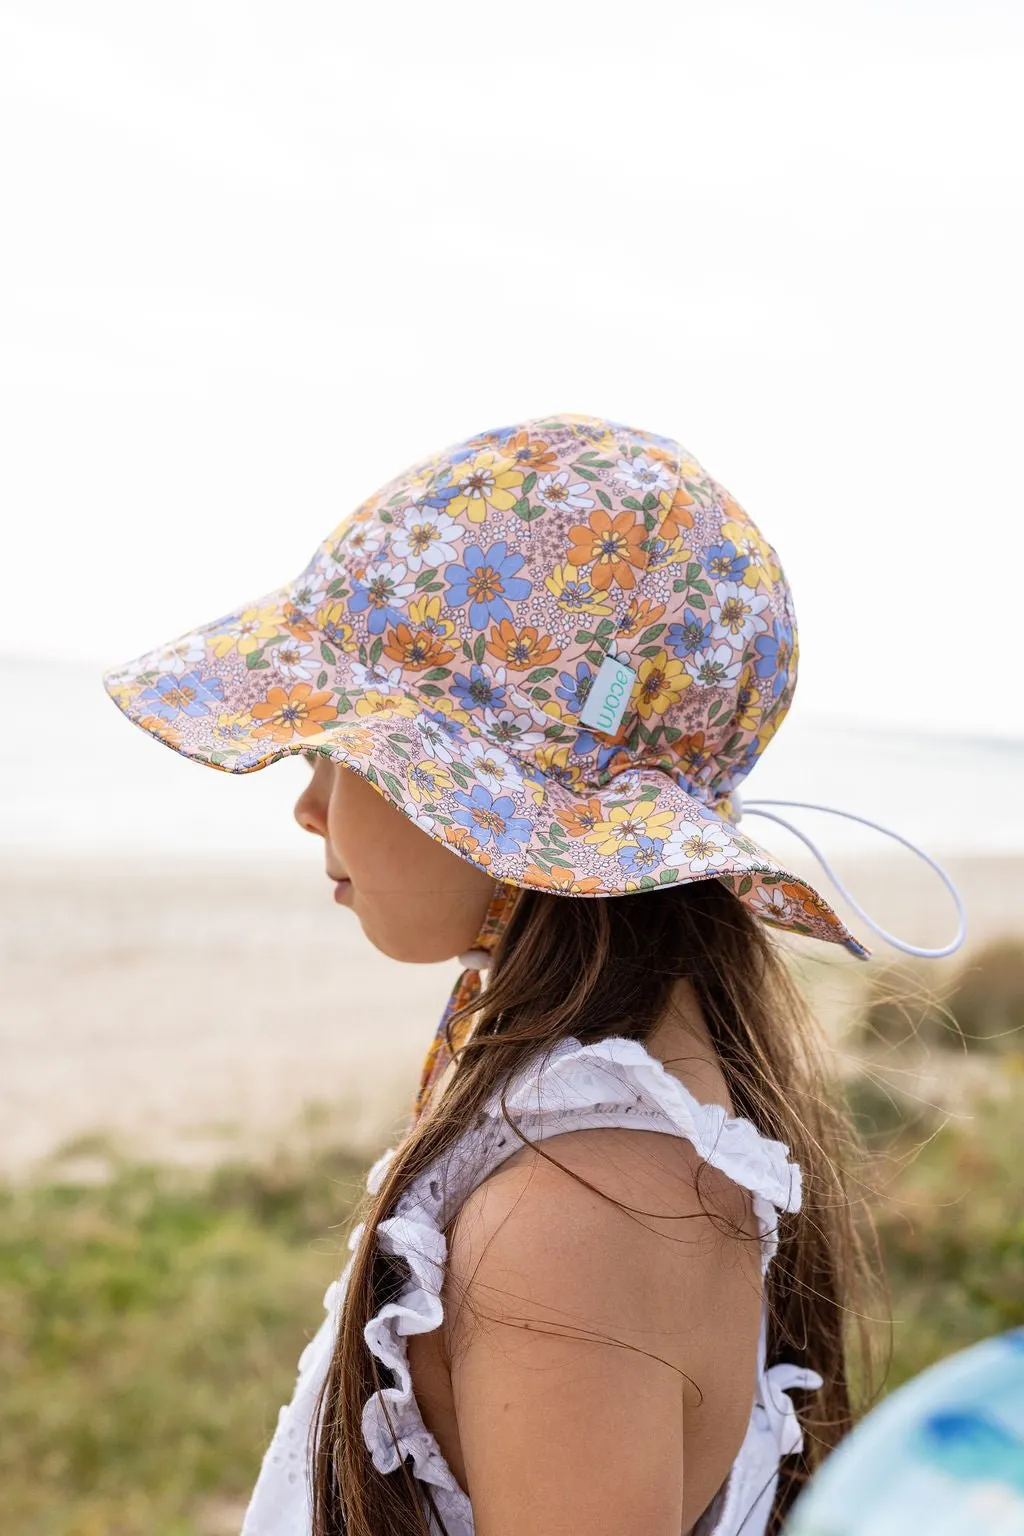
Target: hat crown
491 580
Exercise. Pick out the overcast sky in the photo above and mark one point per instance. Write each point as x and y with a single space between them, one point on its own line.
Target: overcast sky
258 258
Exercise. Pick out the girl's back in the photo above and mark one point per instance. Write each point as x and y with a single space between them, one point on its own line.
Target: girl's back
495 1215
718 1333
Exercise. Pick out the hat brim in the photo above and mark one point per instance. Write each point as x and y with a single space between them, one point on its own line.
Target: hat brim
266 682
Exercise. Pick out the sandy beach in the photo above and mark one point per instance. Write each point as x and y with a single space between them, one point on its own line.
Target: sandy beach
191 1008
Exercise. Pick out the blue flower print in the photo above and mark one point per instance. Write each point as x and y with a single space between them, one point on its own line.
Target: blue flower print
586 744
574 690
436 499
171 695
383 592
641 858
490 819
725 563
479 690
688 637
484 581
775 652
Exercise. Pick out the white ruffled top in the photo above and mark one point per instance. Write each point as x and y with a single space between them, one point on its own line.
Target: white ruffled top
614 1082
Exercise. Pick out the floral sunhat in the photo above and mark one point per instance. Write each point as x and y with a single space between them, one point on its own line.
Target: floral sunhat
557 647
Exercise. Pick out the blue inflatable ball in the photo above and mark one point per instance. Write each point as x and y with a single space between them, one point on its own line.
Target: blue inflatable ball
943 1455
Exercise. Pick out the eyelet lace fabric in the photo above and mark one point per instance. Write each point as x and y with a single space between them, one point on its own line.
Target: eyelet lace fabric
615 1082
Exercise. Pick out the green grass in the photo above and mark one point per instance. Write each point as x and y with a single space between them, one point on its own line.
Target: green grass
150 1325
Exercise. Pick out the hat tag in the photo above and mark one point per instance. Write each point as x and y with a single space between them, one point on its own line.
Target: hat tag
609 695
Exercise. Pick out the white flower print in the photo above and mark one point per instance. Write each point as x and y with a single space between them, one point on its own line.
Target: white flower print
296 660
774 900
383 680
421 816
555 491
438 741
626 785
715 667
707 846
738 613
178 658
426 538
641 474
513 729
493 767
364 539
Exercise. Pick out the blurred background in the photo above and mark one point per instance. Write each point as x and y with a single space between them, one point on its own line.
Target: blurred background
258 260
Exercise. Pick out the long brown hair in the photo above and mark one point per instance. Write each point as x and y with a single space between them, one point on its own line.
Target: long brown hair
590 968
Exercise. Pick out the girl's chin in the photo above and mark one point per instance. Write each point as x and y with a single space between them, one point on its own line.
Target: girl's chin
343 892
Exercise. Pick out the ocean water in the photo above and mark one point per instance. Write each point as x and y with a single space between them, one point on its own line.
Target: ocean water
77 777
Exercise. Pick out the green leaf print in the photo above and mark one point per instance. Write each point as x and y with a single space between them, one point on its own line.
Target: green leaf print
327 654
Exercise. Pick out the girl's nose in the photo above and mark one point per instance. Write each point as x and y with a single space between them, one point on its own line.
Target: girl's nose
309 813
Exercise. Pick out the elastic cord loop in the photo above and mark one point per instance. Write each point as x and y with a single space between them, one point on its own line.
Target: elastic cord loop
741 806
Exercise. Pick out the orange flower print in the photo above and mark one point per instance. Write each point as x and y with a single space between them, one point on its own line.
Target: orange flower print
812 904
691 753
297 712
662 680
678 508
161 728
462 839
298 623
581 819
560 879
530 452
640 613
614 544
415 648
521 649
488 481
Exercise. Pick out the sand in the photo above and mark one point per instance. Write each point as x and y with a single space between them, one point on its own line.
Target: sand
191 1008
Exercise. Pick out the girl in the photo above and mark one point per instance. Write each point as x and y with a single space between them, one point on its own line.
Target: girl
528 675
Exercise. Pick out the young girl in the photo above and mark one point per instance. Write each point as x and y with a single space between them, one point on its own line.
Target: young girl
603 1284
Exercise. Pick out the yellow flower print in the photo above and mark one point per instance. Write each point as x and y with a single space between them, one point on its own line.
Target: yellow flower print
428 780
425 613
247 633
445 705
374 703
661 682
576 593
763 569
330 619
625 823
553 760
677 506
233 730
486 481
748 701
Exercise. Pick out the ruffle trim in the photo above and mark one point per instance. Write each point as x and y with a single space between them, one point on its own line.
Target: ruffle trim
587 1084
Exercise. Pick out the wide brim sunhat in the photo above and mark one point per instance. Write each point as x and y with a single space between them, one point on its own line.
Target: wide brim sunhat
557 647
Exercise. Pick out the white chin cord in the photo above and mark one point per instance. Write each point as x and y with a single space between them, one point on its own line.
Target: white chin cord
753 807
